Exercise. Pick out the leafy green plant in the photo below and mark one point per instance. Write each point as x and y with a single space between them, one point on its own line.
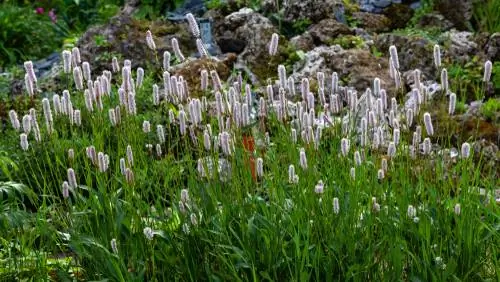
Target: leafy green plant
491 108
25 35
348 41
485 15
301 25
426 7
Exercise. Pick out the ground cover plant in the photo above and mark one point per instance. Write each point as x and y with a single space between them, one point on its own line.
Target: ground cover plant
127 177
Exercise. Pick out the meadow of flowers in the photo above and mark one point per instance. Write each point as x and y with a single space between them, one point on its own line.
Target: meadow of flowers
125 176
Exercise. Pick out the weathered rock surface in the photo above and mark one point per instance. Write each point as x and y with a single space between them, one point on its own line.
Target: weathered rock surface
493 47
414 52
327 30
459 12
372 22
255 30
357 67
434 20
125 36
304 42
314 10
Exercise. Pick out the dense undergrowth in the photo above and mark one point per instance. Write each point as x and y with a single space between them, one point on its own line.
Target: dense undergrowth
125 186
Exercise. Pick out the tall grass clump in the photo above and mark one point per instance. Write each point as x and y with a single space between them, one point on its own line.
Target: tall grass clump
130 178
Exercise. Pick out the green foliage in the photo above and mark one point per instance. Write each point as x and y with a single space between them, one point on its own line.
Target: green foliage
153 9
77 15
24 34
214 4
301 25
486 15
431 34
348 41
27 34
491 108
466 79
426 7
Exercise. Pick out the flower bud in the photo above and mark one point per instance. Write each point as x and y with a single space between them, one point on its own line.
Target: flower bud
193 25
273 45
336 206
428 124
487 71
72 178
66 61
150 41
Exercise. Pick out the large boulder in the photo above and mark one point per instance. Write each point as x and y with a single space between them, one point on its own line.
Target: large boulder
414 52
358 68
493 47
125 37
372 22
378 6
327 30
459 12
313 10
462 46
254 30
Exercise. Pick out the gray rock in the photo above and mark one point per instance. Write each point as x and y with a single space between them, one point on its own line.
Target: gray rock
462 46
314 10
252 28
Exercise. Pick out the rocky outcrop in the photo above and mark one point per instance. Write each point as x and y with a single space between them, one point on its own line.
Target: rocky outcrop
414 52
357 67
254 30
459 12
493 47
125 36
313 10
372 22
377 6
327 30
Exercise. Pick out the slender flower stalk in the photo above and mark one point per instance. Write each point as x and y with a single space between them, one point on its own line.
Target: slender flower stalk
161 133
319 188
393 51
114 246
140 77
177 50
465 150
428 124
86 71
14 120
380 174
150 41
72 178
130 156
427 146
303 158
193 25
66 61
78 78
452 104
437 56
24 141
273 45
444 80
336 205
487 71
344 146
129 175
65 190
260 168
